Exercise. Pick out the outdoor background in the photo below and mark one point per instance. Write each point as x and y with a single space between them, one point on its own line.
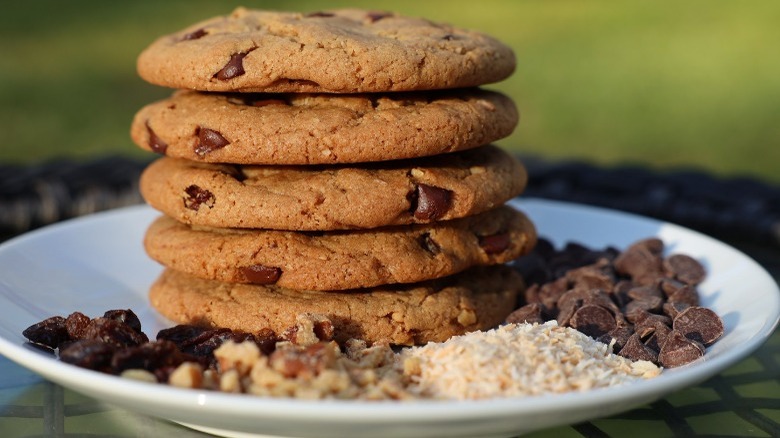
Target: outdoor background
663 84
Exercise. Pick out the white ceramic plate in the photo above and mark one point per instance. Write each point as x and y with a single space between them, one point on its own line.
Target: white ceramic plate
97 263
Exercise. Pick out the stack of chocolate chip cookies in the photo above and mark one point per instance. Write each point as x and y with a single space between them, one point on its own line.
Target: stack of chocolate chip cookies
335 163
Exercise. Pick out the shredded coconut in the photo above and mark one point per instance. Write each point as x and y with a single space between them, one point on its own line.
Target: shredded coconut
518 360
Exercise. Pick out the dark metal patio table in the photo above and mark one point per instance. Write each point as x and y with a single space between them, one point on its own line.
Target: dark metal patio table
742 401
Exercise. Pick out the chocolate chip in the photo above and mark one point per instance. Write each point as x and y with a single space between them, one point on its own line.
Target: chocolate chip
596 276
427 243
635 349
260 274
644 293
373 17
530 313
648 304
673 309
233 68
155 143
685 295
209 141
653 331
429 202
699 324
679 350
669 286
200 33
319 14
593 320
267 102
197 196
684 268
619 334
641 261
495 244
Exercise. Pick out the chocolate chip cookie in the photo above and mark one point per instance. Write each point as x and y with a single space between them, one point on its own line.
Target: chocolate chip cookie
340 51
366 195
285 129
433 311
341 260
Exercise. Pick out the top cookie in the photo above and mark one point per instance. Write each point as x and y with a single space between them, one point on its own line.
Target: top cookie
340 51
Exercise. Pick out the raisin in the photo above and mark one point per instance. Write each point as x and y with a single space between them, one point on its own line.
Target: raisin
113 332
126 316
50 332
149 356
93 354
180 334
76 323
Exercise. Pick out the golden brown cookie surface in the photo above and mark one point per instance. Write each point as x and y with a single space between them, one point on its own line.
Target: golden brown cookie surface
295 129
342 260
340 51
434 311
320 198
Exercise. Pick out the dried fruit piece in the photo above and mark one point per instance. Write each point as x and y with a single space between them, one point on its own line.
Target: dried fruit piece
88 353
113 332
126 316
50 332
76 323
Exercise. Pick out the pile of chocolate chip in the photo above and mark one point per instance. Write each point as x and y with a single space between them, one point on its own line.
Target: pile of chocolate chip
645 303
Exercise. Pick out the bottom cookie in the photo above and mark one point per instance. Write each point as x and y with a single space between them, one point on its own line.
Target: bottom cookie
433 311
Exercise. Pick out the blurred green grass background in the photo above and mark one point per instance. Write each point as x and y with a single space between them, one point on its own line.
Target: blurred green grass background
663 84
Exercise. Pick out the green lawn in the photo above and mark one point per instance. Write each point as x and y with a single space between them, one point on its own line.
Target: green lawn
667 84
